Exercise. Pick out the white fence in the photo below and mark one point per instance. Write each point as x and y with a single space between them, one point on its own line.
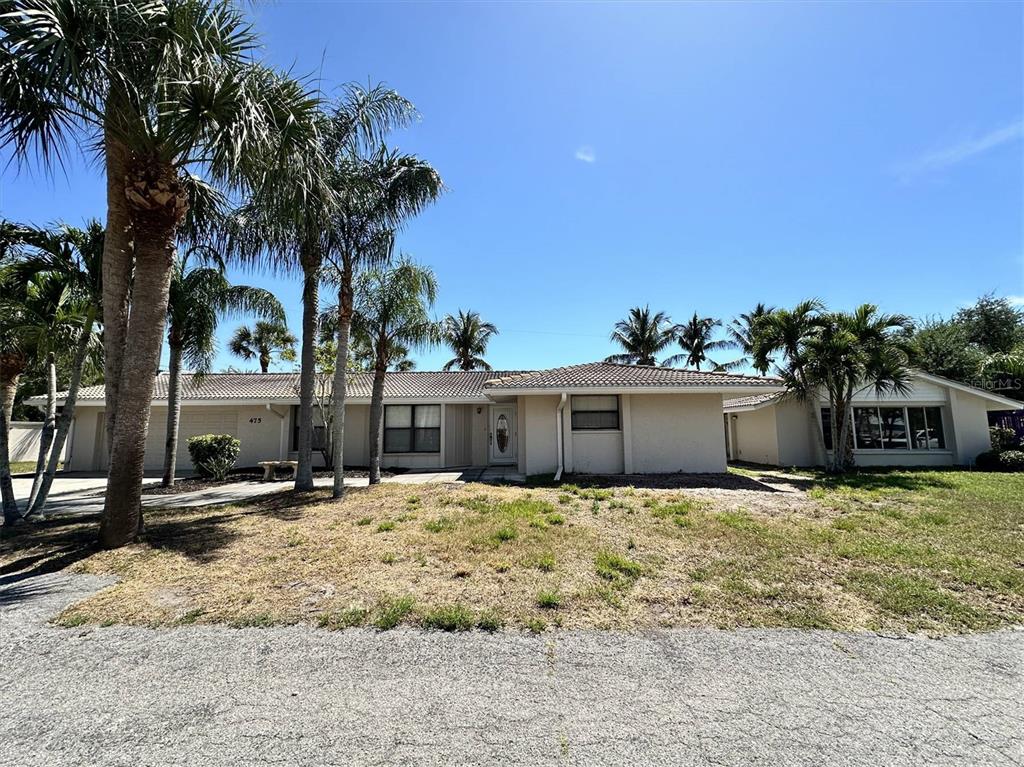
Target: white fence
24 441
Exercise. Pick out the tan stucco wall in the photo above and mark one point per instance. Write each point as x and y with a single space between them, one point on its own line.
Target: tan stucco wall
24 439
796 439
970 418
597 452
538 441
677 432
756 436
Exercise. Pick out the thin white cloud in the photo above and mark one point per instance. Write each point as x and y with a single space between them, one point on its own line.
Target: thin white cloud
1016 300
586 154
946 157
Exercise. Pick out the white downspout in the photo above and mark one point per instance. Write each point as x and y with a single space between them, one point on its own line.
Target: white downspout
560 439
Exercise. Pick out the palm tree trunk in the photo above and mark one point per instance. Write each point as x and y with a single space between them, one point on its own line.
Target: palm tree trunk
9 377
159 204
173 412
339 391
67 414
264 361
10 504
307 375
376 417
46 435
117 276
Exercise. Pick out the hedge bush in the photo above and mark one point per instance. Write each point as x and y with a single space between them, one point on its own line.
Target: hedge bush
1003 439
213 455
1011 460
988 461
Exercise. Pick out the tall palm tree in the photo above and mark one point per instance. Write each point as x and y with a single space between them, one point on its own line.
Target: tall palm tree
378 192
70 258
392 315
263 341
741 332
467 336
175 95
197 298
642 336
852 351
695 337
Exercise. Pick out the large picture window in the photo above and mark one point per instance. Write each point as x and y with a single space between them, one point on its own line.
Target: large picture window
892 428
412 428
595 412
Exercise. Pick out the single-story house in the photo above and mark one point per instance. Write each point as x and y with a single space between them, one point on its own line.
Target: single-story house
598 417
938 422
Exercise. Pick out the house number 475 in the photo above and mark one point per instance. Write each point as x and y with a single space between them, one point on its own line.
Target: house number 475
256 419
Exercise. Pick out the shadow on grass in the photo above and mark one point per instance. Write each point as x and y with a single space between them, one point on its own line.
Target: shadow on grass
658 481
868 479
200 533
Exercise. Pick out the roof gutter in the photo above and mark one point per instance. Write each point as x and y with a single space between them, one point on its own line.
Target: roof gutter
560 437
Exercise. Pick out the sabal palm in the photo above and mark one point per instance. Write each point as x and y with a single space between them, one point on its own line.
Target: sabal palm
642 336
392 308
263 341
198 297
742 331
467 336
171 89
695 337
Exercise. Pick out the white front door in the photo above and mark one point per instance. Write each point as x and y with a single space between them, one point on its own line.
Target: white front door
503 434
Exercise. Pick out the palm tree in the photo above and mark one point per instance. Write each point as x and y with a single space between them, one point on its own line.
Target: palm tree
197 298
467 336
642 336
263 341
377 193
392 315
173 92
695 339
741 332
70 259
852 351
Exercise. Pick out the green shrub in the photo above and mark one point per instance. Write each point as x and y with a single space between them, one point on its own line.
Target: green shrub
1003 439
987 461
213 455
1012 460
449 618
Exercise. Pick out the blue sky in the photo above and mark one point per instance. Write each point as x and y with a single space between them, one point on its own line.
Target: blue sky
694 157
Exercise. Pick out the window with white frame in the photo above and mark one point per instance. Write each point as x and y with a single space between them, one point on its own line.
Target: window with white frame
412 428
590 412
882 427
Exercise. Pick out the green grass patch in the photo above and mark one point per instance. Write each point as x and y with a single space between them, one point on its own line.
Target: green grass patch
439 525
391 612
343 619
385 526
455 617
548 599
615 567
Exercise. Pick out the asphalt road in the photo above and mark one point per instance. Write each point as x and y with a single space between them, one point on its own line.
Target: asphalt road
300 696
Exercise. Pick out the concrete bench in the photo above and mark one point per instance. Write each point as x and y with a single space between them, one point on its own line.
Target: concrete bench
269 467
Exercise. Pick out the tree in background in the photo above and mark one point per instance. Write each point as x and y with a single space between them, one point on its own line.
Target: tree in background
68 259
642 336
392 308
696 338
741 332
198 297
467 336
263 341
230 120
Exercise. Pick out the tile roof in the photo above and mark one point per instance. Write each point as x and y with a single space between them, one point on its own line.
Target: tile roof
612 375
753 401
455 384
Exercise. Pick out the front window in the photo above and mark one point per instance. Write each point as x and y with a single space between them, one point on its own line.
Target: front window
892 428
319 433
595 412
412 428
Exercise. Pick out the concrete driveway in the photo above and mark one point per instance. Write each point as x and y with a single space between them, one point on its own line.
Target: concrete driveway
82 494
304 696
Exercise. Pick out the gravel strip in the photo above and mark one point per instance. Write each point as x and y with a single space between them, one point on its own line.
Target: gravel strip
300 696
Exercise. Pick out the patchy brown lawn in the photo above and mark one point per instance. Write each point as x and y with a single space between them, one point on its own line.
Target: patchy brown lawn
898 551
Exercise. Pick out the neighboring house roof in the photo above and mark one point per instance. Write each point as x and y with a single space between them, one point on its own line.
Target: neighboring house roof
765 400
754 402
262 387
610 375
